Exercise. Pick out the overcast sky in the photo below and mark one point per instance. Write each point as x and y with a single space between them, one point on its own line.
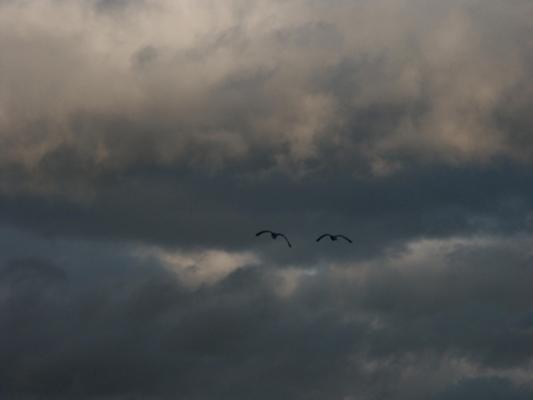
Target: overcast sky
143 143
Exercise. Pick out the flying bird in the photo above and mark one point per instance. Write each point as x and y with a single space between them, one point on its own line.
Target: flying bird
333 237
275 235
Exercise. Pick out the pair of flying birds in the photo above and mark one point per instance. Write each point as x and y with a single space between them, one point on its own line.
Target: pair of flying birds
275 235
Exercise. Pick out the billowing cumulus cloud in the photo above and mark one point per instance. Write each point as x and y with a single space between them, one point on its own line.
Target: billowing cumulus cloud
371 86
143 143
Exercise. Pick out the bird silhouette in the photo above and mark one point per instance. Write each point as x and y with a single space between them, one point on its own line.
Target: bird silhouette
274 235
333 237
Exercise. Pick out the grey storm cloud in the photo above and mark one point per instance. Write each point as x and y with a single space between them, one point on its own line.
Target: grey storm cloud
438 319
188 209
143 143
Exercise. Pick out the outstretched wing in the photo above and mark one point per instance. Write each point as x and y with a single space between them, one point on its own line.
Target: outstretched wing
322 237
260 233
285 237
345 238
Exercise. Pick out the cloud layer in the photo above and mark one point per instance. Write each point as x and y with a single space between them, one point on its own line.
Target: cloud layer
439 319
143 143
370 86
